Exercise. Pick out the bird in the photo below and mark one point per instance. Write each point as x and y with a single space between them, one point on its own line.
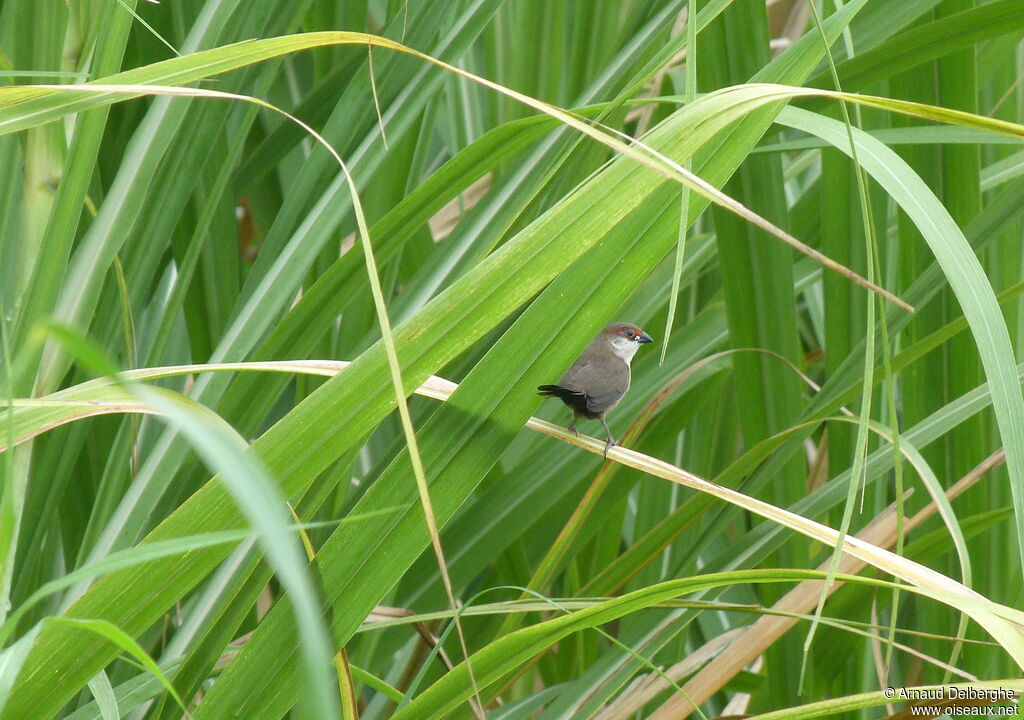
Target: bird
595 383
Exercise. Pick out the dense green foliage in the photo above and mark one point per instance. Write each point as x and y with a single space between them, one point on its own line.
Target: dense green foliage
398 185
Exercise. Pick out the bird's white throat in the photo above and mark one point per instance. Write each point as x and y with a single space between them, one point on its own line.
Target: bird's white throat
624 348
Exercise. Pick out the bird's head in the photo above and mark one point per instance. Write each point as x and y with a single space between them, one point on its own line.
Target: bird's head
624 339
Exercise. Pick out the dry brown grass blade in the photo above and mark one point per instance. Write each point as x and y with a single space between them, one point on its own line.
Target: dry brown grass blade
802 599
645 688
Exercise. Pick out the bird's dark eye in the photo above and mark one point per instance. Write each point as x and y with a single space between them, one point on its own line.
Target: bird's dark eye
630 335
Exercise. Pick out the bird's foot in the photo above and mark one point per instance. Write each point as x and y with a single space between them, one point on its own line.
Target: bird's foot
609 441
572 429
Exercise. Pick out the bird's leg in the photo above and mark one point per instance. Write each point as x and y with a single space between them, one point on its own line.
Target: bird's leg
572 425
609 441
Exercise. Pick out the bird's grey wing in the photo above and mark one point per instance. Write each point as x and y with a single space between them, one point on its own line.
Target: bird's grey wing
605 396
581 373
575 377
602 381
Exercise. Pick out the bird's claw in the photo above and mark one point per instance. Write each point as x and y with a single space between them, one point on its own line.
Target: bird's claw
608 446
573 430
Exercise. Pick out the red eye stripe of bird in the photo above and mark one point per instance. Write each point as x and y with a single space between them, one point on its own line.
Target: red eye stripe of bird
596 382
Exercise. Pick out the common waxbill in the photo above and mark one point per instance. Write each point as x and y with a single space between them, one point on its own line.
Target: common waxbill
600 376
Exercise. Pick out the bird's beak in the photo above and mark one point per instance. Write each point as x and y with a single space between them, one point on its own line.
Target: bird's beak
644 338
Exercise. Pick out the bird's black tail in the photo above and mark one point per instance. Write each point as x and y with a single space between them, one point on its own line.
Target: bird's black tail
570 397
553 391
575 399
